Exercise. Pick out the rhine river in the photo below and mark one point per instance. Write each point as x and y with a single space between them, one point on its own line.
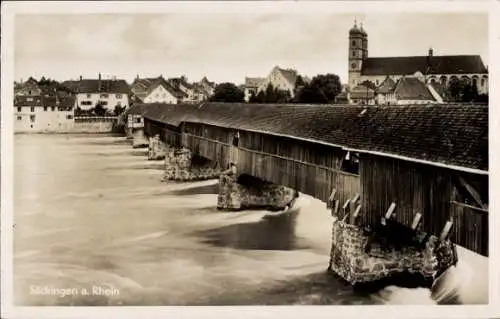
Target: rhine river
90 212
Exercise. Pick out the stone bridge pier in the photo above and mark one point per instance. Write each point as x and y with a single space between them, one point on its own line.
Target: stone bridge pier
157 148
388 251
240 191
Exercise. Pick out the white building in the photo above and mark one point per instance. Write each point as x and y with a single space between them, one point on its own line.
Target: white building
109 93
281 79
43 114
162 92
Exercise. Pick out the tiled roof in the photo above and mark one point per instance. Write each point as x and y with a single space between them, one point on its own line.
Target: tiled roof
161 81
412 89
253 82
441 90
171 114
102 86
445 64
447 134
289 74
177 82
386 86
22 100
362 92
67 102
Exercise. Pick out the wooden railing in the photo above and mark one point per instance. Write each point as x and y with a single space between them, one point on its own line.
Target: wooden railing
470 227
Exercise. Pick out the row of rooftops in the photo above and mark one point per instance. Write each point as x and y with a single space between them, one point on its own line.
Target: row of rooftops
430 64
455 136
62 103
406 88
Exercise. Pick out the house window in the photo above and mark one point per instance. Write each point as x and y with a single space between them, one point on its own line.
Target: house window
19 118
482 82
45 109
32 118
30 99
53 108
86 103
32 109
69 116
138 120
19 109
118 96
353 43
104 96
89 96
354 53
104 102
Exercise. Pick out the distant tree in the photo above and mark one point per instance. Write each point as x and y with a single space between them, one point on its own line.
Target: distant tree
483 98
228 92
329 84
79 111
323 88
369 84
118 110
454 90
462 91
311 95
99 110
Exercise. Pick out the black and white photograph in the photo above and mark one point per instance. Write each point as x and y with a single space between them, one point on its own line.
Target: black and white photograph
274 153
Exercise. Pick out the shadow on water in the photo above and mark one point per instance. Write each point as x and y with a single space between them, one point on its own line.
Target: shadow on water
312 289
266 234
197 190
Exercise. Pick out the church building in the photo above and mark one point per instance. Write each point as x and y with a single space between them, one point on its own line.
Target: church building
433 69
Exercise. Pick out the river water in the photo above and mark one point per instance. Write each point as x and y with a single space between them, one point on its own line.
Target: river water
90 212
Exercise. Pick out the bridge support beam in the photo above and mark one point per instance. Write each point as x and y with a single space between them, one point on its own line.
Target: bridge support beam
138 138
156 149
418 255
234 196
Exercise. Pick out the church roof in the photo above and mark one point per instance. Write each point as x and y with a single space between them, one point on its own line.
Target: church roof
445 64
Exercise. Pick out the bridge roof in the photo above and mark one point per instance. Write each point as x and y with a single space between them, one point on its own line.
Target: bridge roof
455 136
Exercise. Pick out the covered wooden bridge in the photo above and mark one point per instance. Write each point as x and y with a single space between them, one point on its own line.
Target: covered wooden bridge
427 165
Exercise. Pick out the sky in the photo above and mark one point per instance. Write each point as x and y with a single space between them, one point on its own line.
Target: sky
228 47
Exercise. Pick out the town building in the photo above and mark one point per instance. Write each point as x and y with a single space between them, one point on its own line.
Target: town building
156 90
30 87
208 86
282 79
108 93
251 86
43 113
442 69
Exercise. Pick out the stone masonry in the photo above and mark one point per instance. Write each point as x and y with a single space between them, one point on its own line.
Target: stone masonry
179 167
156 149
235 196
138 139
350 261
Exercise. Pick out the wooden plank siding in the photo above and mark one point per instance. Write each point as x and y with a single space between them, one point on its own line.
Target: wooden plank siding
297 174
168 134
418 188
471 227
217 152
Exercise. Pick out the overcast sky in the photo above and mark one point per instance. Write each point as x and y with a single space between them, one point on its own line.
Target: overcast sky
228 47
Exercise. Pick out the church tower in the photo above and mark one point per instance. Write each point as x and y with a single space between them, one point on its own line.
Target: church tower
358 51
